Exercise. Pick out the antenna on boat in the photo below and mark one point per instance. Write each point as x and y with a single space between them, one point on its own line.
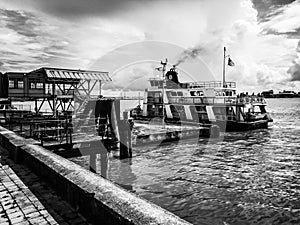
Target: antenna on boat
164 64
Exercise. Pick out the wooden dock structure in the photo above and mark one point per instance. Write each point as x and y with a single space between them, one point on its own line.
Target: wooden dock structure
78 124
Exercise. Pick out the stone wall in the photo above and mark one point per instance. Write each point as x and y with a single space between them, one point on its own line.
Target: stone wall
97 199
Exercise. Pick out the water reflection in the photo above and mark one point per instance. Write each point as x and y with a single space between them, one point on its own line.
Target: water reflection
243 178
123 174
104 164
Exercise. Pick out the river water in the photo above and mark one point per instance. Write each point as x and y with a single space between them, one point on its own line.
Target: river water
241 178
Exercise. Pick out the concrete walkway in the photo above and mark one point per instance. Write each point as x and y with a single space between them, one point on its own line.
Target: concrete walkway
25 199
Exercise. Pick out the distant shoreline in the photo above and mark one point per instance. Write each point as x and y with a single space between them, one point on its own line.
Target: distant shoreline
281 96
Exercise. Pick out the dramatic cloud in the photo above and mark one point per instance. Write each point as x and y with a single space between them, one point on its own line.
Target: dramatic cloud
294 70
285 20
32 40
268 8
261 37
25 41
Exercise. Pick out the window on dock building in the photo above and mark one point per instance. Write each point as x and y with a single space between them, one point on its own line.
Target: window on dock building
36 84
20 84
11 84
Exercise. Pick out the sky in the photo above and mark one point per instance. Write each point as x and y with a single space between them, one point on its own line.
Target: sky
128 38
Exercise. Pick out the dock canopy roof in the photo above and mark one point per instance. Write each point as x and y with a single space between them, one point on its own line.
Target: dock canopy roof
66 74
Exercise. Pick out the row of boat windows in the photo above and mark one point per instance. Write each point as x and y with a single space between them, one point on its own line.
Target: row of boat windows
193 93
197 112
225 93
156 83
169 93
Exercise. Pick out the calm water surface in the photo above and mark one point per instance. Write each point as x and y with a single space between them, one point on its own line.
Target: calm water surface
242 178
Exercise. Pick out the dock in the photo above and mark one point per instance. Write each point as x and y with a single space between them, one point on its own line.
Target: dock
37 144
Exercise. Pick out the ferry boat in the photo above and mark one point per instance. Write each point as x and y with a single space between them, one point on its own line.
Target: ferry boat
214 102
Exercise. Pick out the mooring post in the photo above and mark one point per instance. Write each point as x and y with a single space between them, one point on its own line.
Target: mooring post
104 163
129 140
93 160
125 138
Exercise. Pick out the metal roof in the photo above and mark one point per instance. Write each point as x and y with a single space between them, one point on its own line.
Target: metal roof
53 73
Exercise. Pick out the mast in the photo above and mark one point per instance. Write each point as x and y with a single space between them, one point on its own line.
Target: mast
224 66
139 99
163 91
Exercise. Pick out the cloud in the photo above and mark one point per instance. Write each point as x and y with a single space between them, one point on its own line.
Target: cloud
25 39
294 70
268 8
262 59
78 9
260 37
35 40
133 78
285 20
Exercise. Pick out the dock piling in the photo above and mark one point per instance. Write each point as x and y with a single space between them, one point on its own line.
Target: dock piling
125 137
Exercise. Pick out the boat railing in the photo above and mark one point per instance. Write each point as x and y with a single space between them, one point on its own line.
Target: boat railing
217 100
212 84
203 100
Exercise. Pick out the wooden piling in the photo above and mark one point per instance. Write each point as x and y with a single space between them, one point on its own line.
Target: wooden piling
93 162
125 137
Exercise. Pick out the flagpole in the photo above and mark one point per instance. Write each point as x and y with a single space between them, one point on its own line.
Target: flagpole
224 66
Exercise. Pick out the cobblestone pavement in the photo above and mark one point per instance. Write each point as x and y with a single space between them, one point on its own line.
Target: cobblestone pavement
25 199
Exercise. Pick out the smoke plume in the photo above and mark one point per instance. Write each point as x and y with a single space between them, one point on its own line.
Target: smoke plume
191 53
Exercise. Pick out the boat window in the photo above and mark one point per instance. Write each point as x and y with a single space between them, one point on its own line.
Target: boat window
192 93
156 94
201 108
200 93
179 93
173 93
150 94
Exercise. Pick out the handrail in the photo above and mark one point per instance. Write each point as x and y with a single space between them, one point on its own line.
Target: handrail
216 100
204 84
213 84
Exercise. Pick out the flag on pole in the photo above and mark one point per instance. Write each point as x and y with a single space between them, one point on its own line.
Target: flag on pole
230 62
